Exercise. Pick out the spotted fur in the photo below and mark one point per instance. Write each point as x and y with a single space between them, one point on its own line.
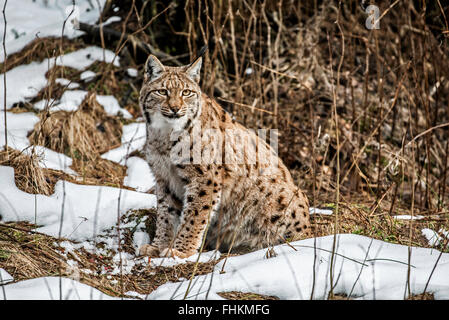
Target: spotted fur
239 201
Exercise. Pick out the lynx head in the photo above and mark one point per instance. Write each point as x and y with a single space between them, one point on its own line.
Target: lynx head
170 95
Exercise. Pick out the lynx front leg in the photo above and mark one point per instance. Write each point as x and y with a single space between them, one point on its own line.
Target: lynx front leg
202 198
168 216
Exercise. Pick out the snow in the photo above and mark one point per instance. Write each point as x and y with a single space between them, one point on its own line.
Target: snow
88 210
112 107
52 288
112 20
132 72
136 294
22 88
5 277
87 76
126 261
444 232
83 58
204 257
139 175
432 237
50 159
44 103
320 211
408 217
133 138
70 101
140 238
67 83
27 20
364 268
19 124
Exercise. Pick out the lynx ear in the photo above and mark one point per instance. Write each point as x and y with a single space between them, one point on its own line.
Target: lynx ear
153 68
193 70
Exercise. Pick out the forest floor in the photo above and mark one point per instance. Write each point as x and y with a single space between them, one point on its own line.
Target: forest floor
77 198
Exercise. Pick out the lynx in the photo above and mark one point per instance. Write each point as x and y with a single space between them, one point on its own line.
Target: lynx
240 203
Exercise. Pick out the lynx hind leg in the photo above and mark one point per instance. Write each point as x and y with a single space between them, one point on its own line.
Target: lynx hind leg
288 219
299 218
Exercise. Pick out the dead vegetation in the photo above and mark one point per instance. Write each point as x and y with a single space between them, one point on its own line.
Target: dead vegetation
83 135
422 296
27 254
28 175
40 49
235 295
360 111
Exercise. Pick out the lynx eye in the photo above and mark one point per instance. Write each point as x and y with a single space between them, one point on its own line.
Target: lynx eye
162 92
186 92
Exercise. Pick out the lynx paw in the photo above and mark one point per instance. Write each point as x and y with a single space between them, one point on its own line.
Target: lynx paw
171 253
149 250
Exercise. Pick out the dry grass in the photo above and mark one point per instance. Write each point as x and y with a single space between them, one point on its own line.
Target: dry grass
28 175
83 135
26 254
89 131
29 255
40 49
339 297
358 217
422 296
235 295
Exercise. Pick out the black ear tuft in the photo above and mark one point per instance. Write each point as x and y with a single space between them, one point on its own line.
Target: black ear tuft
193 69
153 68
202 51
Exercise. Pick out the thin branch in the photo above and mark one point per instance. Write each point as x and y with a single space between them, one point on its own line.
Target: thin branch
4 77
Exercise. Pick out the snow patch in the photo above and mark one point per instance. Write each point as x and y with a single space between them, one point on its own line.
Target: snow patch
87 76
70 101
204 257
19 124
85 210
5 277
112 107
139 175
320 211
67 83
25 81
364 268
132 72
432 237
408 217
133 138
28 19
48 288
112 20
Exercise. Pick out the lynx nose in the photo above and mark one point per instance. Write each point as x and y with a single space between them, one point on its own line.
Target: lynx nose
175 109
174 104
